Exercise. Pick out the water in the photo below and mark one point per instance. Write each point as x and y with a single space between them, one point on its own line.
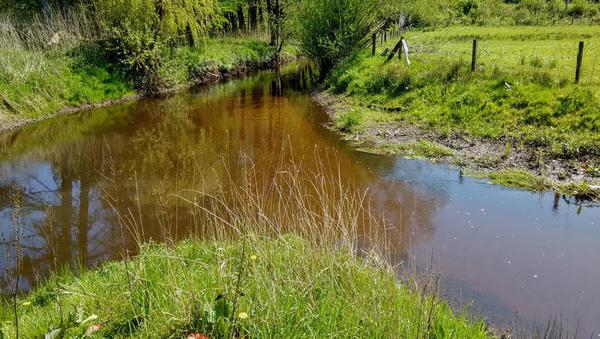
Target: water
506 250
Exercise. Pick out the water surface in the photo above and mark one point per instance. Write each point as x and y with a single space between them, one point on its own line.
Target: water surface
509 251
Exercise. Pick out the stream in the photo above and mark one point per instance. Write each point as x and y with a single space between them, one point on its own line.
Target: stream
511 254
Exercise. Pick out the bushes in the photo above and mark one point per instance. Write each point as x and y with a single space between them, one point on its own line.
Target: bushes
331 30
424 13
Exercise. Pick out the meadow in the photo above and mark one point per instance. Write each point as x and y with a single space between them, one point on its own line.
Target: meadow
521 97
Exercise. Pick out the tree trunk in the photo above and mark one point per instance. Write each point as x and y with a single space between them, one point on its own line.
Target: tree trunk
241 21
253 15
84 205
231 22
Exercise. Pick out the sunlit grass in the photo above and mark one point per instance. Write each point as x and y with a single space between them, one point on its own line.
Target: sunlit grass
297 254
524 87
254 287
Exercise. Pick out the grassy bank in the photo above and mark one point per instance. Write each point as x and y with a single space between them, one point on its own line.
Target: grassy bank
34 84
252 287
520 110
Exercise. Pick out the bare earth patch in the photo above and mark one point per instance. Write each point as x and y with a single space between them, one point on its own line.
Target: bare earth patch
477 156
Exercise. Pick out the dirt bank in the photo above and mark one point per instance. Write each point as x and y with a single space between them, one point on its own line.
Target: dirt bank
502 160
13 122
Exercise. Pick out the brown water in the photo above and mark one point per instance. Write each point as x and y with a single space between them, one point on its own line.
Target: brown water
506 250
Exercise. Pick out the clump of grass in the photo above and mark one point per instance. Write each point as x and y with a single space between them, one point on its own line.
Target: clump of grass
348 121
583 191
252 287
429 149
421 149
519 178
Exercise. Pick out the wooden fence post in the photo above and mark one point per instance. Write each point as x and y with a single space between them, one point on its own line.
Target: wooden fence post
474 56
579 61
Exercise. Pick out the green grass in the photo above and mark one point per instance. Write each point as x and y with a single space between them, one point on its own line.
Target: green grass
285 286
420 149
34 84
519 178
523 88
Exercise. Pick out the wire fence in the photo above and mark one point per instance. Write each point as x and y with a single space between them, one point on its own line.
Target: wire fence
542 50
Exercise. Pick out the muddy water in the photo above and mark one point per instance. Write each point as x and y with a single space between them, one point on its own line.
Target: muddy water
507 251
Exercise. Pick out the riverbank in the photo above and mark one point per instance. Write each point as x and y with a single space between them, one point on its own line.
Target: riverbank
65 83
518 120
254 287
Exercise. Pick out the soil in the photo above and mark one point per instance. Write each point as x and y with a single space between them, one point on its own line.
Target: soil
469 153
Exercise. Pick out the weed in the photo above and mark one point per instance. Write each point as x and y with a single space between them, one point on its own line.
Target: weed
519 179
348 121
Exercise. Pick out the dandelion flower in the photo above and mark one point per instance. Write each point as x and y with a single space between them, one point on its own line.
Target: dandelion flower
243 315
253 257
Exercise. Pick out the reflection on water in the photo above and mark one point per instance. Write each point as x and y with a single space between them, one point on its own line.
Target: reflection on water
509 250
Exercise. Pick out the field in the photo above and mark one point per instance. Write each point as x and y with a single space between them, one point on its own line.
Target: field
521 103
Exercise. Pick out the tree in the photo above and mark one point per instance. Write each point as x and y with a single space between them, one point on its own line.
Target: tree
331 30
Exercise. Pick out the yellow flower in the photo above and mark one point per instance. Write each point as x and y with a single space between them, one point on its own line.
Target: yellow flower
243 315
26 303
253 257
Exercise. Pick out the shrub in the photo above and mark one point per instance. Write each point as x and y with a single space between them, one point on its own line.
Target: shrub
331 30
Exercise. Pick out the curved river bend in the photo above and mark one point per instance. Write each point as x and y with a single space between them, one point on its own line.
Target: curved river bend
509 251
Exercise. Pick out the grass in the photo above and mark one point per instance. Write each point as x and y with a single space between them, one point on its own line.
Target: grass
421 149
519 178
523 89
296 254
37 83
285 286
42 72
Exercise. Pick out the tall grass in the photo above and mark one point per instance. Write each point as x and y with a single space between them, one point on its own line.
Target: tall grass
280 256
234 199
64 30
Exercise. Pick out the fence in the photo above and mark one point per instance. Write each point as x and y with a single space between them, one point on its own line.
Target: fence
570 61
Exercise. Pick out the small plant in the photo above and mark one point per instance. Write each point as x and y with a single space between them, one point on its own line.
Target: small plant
348 121
520 179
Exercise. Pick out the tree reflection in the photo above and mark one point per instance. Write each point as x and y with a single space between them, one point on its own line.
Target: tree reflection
131 165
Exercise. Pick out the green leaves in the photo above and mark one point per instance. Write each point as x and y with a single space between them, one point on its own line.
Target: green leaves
331 30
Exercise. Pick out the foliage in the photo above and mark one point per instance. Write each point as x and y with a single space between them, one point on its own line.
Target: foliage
514 95
424 13
331 30
252 287
87 75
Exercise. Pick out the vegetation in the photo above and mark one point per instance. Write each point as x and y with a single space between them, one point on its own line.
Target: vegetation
252 287
331 30
431 13
522 95
74 53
